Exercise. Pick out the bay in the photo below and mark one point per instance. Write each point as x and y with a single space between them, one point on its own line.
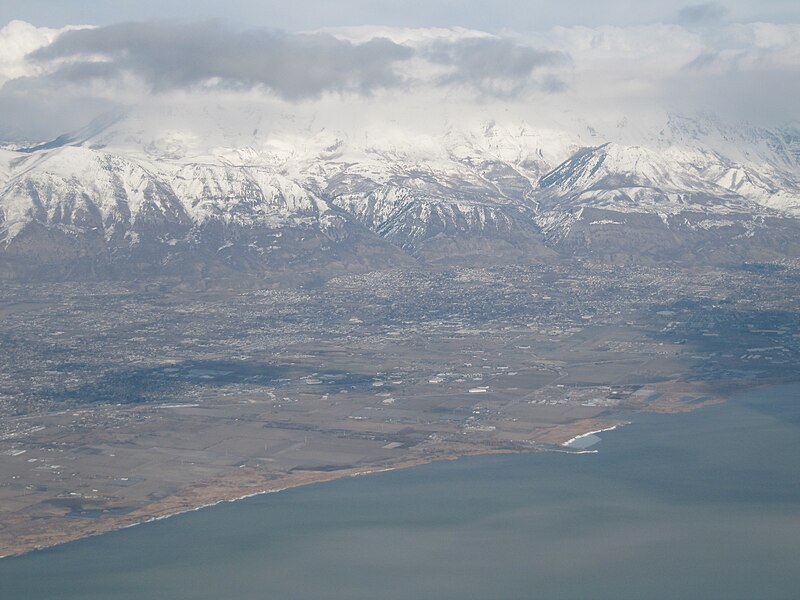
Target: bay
697 505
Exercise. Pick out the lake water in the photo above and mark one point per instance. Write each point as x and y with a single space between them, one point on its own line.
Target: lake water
700 505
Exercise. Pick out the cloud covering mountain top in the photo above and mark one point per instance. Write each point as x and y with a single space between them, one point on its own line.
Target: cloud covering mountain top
56 79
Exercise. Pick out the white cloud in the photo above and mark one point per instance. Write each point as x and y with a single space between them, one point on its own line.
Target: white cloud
17 40
744 71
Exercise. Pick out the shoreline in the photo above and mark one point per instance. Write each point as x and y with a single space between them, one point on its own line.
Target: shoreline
263 492
179 505
209 494
569 442
183 503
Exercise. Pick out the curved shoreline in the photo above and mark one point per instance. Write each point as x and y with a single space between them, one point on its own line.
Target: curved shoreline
208 494
258 493
571 441
179 505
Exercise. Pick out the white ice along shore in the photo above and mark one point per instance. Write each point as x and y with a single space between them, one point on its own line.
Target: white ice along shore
571 442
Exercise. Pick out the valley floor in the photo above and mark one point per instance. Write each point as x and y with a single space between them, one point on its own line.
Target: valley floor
120 404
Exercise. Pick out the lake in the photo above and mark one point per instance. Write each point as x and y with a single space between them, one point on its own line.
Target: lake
697 505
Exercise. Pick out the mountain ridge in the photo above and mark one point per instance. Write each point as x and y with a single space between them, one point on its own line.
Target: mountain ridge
133 202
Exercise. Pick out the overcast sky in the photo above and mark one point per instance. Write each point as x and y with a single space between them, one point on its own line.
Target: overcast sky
487 15
63 62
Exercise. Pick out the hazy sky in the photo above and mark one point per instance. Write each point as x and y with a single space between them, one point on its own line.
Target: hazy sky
62 62
494 15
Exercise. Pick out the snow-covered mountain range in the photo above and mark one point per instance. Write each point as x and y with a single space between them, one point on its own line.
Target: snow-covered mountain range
127 196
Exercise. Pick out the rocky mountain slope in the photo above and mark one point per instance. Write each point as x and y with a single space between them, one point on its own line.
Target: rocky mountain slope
122 198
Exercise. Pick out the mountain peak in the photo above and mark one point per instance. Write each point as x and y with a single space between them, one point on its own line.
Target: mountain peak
505 188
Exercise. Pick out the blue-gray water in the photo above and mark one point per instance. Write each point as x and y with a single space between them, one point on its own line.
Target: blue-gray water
701 505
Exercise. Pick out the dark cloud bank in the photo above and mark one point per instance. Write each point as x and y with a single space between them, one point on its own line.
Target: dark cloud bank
494 64
172 56
293 66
